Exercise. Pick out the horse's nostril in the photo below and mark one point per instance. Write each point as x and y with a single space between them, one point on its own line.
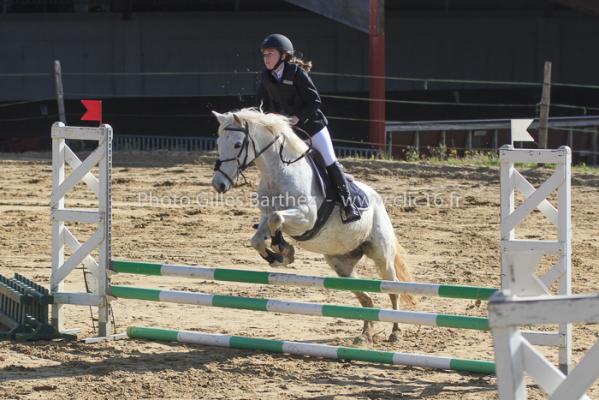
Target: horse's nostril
221 187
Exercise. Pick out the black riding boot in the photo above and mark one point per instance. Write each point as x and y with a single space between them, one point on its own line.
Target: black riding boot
337 176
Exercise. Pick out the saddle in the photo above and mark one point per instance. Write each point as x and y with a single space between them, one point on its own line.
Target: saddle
331 198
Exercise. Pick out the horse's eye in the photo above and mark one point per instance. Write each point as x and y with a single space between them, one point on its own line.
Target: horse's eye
237 145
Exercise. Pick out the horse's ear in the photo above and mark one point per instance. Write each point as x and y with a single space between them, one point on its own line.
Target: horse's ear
220 117
237 119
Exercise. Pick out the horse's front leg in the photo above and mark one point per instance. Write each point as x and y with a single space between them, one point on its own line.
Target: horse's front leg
280 246
259 243
294 218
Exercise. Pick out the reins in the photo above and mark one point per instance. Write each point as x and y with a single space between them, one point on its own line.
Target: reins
243 165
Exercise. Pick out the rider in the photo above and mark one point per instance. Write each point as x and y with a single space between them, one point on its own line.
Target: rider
285 88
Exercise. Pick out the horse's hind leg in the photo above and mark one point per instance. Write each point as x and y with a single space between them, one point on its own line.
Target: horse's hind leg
395 335
344 265
383 249
392 267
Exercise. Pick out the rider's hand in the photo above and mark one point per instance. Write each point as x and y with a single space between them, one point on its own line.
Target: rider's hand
293 120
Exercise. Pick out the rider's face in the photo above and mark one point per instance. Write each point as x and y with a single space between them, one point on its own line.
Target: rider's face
271 57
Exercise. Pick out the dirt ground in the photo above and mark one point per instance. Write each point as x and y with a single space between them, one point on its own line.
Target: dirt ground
446 217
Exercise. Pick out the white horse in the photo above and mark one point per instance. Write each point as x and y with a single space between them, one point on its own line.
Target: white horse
289 197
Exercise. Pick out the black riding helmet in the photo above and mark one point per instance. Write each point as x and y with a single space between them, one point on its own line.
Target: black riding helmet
279 42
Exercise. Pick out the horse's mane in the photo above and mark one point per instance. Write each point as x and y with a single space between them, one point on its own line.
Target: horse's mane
274 124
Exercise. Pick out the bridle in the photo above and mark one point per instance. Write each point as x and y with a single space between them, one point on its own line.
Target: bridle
243 165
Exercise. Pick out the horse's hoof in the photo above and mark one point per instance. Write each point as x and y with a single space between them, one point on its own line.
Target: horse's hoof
288 260
280 264
363 340
395 337
289 254
276 264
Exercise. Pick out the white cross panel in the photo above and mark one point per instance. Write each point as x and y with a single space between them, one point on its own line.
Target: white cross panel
515 356
101 216
520 258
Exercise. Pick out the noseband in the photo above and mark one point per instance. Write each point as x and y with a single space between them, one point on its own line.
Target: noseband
242 165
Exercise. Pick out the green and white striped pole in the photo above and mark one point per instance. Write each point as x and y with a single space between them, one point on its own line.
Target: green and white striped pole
312 349
353 284
289 307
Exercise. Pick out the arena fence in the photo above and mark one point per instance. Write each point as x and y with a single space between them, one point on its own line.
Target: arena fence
204 143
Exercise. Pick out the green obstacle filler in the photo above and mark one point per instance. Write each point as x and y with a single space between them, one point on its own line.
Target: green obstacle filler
24 310
289 307
312 349
353 284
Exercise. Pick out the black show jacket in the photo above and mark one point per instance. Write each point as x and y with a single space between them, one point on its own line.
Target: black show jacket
295 95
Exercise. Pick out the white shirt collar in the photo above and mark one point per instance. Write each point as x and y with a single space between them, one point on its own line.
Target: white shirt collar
278 73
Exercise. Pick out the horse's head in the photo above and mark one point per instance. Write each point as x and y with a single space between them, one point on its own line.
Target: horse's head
234 150
244 136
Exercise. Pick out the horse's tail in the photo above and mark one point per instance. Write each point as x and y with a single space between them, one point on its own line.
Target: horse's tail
403 274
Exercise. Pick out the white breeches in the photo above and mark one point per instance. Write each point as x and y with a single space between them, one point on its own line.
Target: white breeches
321 141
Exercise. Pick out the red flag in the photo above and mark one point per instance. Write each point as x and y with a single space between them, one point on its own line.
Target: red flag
93 110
